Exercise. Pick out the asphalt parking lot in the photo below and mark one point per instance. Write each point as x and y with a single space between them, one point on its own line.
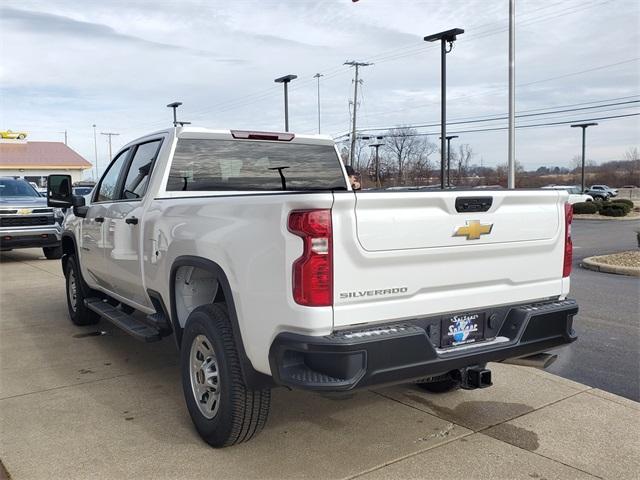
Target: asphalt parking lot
92 402
607 354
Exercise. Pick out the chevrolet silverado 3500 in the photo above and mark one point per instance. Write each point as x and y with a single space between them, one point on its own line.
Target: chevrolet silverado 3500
254 251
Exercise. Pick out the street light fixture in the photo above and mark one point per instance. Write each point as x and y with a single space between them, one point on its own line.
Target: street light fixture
449 137
285 81
584 127
175 106
446 37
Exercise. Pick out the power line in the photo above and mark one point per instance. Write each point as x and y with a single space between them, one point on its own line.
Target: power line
390 55
497 90
504 117
406 50
494 129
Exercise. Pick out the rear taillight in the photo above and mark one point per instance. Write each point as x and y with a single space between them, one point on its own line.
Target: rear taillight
313 271
568 244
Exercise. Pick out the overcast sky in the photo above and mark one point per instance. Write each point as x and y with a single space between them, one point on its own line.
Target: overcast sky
70 64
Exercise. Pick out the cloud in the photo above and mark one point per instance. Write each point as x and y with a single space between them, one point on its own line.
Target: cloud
48 24
68 64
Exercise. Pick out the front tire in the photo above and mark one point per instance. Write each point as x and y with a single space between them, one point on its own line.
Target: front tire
224 410
53 253
77 291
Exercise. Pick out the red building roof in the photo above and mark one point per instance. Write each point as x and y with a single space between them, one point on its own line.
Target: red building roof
40 155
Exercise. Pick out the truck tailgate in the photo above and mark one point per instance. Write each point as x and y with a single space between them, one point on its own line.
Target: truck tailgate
401 255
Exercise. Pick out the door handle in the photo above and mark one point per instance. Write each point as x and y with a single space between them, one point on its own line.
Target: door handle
99 219
131 221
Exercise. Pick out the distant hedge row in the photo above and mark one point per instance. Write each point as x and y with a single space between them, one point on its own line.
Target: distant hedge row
585 207
623 200
615 208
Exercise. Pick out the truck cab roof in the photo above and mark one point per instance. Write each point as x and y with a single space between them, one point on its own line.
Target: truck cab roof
244 134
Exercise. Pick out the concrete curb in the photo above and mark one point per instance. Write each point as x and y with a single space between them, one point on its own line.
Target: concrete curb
589 216
591 264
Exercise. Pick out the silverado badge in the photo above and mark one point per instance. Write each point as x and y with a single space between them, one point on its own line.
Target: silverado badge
473 229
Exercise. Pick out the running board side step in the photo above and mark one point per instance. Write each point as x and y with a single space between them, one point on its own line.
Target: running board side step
124 321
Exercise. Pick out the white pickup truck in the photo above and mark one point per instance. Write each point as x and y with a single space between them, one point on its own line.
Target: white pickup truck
253 250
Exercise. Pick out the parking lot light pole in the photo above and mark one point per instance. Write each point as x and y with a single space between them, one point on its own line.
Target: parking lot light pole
377 168
95 149
449 137
584 127
446 37
285 81
317 76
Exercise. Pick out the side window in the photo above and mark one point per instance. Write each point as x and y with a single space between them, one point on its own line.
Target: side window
107 189
140 170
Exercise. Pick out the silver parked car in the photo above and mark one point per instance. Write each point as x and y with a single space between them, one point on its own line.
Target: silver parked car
602 191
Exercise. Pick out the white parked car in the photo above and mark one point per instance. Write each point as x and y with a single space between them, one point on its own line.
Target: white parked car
575 194
254 251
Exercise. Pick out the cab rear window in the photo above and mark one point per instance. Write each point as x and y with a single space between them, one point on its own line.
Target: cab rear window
224 165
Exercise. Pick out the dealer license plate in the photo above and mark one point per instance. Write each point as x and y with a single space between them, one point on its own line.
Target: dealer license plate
462 329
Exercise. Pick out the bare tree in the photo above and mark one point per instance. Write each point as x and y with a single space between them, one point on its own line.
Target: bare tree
401 144
632 155
409 153
420 167
461 161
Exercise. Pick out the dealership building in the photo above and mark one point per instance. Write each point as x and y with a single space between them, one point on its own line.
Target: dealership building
35 160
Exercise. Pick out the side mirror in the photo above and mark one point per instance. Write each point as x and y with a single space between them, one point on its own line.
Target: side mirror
79 208
59 191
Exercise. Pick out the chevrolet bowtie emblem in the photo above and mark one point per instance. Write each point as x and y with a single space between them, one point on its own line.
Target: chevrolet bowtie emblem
24 211
473 229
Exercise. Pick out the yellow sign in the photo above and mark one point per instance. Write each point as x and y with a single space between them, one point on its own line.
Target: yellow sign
473 230
24 211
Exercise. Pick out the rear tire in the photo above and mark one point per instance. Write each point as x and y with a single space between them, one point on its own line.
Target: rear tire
77 291
443 385
224 410
53 253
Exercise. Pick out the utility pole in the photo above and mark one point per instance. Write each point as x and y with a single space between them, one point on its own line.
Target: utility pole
95 150
285 81
109 134
317 76
377 167
353 63
449 137
584 127
65 137
511 170
446 37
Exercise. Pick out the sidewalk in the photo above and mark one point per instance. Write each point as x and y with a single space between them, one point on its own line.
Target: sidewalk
79 406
